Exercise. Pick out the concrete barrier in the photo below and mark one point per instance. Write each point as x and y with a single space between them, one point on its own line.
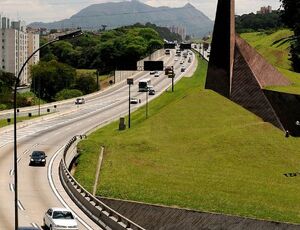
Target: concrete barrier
94 208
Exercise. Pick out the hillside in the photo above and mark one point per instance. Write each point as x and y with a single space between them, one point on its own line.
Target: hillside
197 150
273 48
124 13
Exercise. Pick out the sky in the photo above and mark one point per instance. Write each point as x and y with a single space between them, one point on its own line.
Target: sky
55 10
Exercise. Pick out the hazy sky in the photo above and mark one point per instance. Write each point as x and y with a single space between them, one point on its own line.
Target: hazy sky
54 10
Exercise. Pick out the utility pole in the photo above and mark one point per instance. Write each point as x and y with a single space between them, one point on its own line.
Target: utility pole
129 83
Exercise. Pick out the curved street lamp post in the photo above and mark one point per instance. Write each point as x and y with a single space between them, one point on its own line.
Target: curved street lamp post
59 38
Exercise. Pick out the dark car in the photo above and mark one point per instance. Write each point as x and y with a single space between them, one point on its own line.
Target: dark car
38 158
151 91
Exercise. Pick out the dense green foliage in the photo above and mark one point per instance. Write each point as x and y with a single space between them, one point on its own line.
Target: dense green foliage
48 78
164 32
7 81
258 22
67 93
7 84
57 81
291 17
106 50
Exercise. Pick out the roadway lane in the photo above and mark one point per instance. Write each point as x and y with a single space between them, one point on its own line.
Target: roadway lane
39 187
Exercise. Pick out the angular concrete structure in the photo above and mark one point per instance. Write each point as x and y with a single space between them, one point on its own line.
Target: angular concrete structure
238 72
222 49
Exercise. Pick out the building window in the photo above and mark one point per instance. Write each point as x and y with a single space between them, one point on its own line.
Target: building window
3 67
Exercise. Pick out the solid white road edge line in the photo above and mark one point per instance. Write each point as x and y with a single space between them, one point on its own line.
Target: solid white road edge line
50 179
20 205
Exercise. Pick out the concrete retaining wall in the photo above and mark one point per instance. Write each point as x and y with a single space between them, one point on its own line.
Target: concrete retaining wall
165 218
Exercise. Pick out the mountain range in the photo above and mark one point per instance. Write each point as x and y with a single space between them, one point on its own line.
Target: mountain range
117 14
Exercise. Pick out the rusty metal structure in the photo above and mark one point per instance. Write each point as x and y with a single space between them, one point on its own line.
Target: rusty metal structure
238 72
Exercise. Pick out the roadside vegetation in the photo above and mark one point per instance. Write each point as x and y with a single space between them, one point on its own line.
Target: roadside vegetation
197 150
275 48
56 77
4 122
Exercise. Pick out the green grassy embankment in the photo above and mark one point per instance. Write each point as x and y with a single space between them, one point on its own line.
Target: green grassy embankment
4 122
276 52
197 150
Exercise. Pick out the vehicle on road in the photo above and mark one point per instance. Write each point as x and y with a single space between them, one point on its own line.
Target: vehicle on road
144 84
182 68
176 59
167 51
153 72
189 60
185 54
79 101
151 91
38 158
134 100
169 70
181 61
60 219
156 74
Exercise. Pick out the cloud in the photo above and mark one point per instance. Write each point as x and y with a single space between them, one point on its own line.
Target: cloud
54 10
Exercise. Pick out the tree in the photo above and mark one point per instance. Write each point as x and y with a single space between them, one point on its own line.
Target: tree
291 17
48 78
86 83
7 81
67 93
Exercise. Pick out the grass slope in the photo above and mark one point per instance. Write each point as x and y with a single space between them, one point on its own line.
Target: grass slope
197 150
277 54
4 122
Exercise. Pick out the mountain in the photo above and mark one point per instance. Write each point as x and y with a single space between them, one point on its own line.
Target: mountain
117 14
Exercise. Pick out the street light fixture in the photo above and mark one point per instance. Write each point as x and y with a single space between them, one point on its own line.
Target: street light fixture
59 38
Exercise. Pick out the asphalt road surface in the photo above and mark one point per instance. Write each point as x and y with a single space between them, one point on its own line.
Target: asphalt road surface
39 187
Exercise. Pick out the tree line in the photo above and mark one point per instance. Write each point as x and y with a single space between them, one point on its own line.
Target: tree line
291 17
55 76
258 22
287 16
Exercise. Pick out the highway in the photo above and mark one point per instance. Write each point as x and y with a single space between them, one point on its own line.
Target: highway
40 187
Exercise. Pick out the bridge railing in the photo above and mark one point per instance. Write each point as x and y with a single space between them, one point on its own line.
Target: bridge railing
99 212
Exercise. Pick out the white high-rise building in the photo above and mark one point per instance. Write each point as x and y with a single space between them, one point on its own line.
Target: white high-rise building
16 44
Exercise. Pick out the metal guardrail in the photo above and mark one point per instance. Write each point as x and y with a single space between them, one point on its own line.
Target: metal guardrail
99 212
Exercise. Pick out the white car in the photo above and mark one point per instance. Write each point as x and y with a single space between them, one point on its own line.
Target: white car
60 219
156 74
134 100
182 61
79 101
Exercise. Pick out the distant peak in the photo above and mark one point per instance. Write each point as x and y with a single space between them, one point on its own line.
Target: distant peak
188 5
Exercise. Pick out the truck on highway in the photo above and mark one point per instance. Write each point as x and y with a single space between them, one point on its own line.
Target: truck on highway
144 85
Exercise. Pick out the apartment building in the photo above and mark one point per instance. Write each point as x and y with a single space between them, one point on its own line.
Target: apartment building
16 44
265 10
179 30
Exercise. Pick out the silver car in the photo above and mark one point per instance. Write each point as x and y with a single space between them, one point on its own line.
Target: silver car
60 219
